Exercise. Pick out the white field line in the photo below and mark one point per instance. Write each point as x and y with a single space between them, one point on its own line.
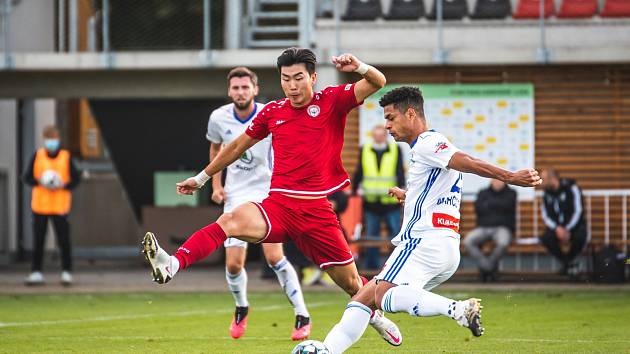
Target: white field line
147 315
376 340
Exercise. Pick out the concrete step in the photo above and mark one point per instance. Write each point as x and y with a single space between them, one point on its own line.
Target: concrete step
277 2
275 29
275 15
272 43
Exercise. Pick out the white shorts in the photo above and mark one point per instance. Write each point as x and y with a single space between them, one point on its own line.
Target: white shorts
234 242
423 263
230 205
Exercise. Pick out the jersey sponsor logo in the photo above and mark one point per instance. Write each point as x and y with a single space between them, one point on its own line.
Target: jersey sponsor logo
313 110
452 201
445 221
280 121
441 146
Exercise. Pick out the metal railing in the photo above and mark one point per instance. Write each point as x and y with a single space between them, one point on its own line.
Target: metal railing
441 54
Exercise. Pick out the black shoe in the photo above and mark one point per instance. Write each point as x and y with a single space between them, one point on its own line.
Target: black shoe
239 322
240 313
472 317
302 328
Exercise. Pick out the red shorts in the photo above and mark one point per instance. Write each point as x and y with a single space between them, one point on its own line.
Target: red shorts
311 224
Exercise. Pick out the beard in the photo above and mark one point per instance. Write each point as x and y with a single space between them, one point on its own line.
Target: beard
243 106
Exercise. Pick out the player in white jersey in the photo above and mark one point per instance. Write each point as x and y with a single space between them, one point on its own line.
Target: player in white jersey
427 247
248 179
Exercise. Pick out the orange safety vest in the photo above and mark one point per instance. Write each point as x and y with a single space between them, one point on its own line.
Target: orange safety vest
44 201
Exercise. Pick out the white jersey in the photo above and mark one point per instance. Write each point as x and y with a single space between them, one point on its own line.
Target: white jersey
433 190
249 177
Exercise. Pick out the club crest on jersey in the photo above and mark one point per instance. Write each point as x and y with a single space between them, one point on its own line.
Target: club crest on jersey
440 146
247 157
313 110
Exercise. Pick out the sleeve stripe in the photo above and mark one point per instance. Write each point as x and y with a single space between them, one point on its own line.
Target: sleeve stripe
550 223
577 207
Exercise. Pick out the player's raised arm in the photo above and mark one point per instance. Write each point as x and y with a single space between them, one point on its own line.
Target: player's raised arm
373 80
226 156
463 162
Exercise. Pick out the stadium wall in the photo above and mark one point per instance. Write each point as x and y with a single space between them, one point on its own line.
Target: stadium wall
582 124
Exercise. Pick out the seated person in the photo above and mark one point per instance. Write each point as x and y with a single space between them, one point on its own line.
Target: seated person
566 235
496 219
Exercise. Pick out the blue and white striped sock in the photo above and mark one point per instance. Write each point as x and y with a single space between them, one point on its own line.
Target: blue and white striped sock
237 283
287 276
416 302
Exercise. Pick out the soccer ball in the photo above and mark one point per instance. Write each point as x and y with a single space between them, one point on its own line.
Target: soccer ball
310 347
50 179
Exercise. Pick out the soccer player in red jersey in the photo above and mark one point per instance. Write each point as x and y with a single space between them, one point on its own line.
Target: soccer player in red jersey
307 130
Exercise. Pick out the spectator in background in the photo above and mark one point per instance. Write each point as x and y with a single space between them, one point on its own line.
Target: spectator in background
52 174
380 168
496 220
566 234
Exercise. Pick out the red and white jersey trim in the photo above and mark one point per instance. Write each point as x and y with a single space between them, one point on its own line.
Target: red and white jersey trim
343 184
330 264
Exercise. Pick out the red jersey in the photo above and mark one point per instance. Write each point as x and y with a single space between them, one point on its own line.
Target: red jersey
307 141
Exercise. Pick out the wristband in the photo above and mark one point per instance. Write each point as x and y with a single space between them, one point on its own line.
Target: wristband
201 178
362 69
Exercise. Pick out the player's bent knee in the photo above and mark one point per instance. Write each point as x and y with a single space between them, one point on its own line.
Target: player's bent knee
273 253
234 268
350 283
381 288
227 223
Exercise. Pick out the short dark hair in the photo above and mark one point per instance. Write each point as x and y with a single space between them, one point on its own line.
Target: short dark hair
50 131
296 55
242 71
552 172
404 97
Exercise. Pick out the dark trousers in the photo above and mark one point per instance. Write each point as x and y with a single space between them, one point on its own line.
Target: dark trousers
62 230
578 240
372 223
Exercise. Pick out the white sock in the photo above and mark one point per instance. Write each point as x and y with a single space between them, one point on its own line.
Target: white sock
418 302
238 286
174 264
350 328
288 278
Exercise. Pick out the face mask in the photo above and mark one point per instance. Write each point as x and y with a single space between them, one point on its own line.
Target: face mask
51 144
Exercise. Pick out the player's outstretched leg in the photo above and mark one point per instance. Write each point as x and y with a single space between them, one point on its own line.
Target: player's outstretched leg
348 278
349 329
355 319
197 247
246 221
423 303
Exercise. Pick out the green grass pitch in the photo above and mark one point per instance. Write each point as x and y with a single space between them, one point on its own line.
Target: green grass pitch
559 321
